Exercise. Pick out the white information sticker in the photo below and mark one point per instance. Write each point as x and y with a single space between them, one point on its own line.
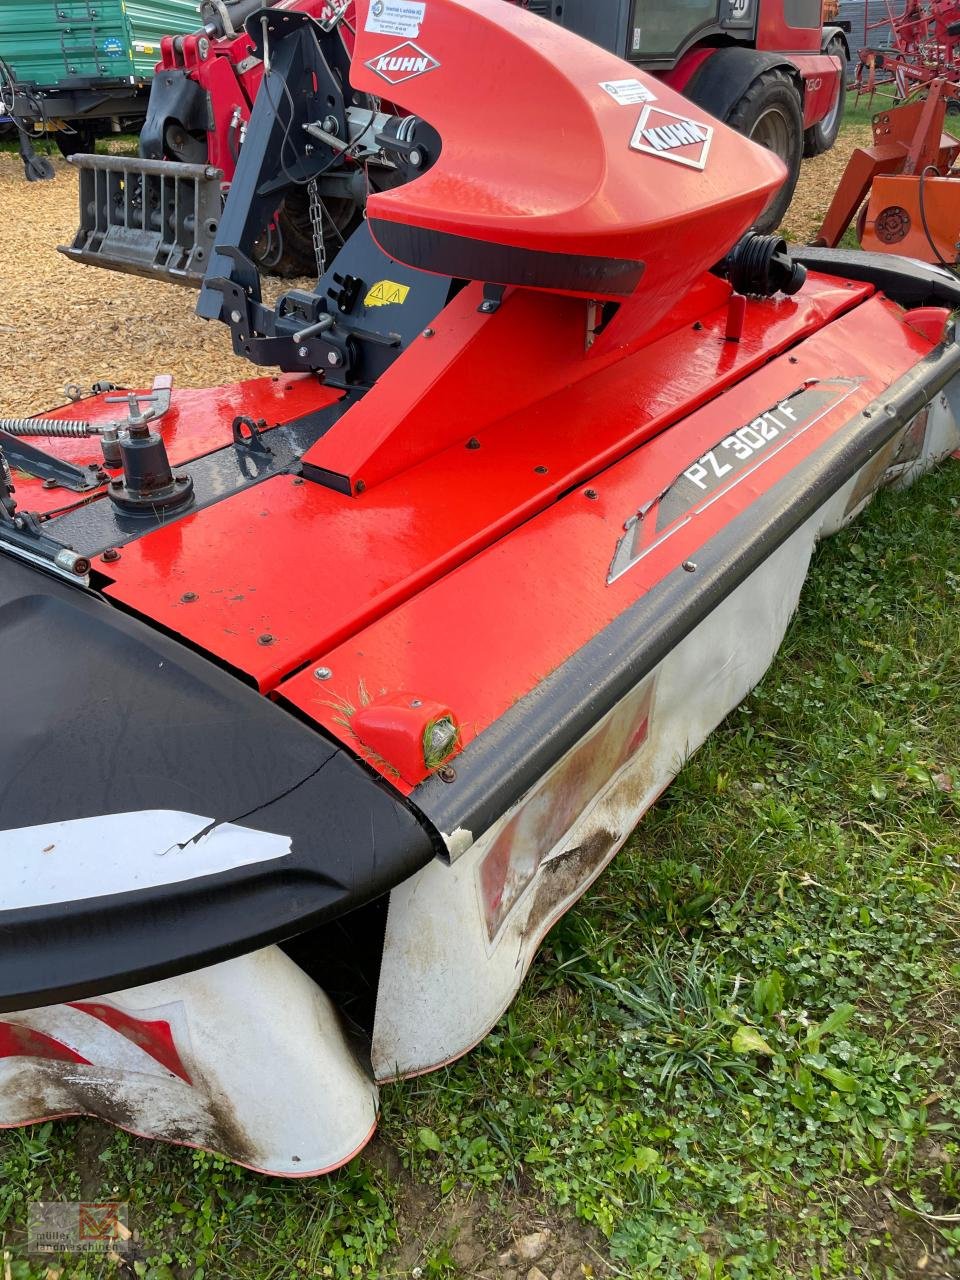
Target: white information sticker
627 92
396 17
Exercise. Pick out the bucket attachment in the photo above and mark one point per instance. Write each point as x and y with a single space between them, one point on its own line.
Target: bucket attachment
155 218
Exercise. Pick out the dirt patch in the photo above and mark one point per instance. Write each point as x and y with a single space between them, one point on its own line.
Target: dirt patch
61 322
493 1238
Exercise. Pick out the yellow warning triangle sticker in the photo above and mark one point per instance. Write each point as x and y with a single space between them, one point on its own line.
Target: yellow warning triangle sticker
386 293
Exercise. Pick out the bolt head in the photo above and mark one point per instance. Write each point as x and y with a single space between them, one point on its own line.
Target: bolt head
265 639
188 597
49 484
303 352
323 673
591 494
333 357
447 773
109 555
689 566
428 333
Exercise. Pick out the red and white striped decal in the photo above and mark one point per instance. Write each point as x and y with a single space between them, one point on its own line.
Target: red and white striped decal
67 1039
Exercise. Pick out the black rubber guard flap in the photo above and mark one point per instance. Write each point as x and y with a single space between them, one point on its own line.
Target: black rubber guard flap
101 715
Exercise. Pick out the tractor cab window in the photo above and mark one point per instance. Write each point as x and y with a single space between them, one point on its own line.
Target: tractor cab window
662 28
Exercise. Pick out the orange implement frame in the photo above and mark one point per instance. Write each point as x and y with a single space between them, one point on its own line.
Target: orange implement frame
909 142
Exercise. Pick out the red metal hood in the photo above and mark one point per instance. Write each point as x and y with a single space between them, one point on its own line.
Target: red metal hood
562 167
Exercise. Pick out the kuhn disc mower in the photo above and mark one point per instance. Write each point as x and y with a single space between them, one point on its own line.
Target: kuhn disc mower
327 693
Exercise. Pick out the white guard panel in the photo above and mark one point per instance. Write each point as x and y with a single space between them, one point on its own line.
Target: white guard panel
461 937
246 1058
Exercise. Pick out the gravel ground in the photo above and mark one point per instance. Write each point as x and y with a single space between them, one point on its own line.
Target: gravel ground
65 323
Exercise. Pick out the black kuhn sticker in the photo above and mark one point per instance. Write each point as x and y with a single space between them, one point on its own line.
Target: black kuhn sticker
663 133
402 62
723 467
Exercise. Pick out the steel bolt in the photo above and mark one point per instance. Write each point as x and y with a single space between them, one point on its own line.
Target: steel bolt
428 333
689 566
360 486
473 443
110 554
303 352
298 479
447 773
416 702
50 483
333 357
323 673
591 494
188 597
487 307
265 639
541 471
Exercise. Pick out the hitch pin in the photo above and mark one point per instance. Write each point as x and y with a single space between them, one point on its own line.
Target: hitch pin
311 331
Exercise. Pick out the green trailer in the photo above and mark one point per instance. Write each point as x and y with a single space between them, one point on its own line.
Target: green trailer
77 69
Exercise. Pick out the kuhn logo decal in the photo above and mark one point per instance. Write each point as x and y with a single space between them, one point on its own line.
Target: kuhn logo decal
403 62
672 137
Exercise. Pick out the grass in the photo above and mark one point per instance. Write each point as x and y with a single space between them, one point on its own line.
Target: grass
736 1059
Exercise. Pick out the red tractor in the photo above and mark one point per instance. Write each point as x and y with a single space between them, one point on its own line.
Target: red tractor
727 56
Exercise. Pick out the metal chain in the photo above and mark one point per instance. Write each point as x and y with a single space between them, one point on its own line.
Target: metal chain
316 223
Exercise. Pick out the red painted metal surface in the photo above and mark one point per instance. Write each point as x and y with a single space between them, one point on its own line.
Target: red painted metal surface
774 31
286 571
613 202
485 635
197 422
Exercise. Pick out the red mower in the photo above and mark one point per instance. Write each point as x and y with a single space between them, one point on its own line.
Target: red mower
327 693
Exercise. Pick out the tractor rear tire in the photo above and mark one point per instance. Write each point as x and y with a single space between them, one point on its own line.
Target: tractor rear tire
821 136
770 113
287 251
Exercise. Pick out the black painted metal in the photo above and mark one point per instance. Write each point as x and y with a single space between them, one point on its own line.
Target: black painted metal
905 280
214 477
130 720
45 466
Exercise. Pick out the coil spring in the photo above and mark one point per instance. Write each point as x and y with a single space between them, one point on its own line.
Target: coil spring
47 427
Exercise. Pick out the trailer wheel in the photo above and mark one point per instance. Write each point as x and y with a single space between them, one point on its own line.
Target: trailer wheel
770 113
821 136
82 141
